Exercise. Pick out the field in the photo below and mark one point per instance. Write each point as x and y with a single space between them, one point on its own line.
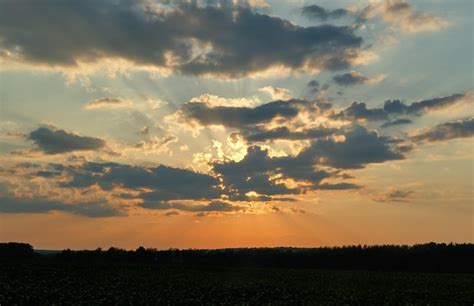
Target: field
45 281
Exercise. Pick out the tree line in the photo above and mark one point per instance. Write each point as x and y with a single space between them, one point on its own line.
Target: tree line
430 257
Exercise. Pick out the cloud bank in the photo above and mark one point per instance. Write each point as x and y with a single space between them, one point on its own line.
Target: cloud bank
170 37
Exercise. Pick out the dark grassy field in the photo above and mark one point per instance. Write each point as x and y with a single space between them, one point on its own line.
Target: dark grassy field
47 281
426 274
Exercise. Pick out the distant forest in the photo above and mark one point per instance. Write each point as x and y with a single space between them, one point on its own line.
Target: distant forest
430 257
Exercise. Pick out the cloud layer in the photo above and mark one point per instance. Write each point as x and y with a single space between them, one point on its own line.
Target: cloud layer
185 38
445 131
52 141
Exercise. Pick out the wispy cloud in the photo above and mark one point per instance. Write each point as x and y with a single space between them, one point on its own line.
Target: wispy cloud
108 102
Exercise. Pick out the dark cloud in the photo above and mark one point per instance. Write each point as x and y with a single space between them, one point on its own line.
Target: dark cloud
242 116
319 13
161 183
433 104
396 122
213 206
361 147
395 108
450 130
336 186
355 78
10 204
108 102
360 111
349 79
259 172
184 37
59 141
313 86
257 134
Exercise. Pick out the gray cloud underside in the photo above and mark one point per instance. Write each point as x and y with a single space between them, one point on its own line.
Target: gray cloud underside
319 13
225 40
58 141
395 108
239 117
213 206
10 204
350 79
401 121
166 183
450 130
313 86
260 135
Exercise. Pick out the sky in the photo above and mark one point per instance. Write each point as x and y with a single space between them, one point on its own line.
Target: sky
216 124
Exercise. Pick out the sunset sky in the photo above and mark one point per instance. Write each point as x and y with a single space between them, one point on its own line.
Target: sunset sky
212 124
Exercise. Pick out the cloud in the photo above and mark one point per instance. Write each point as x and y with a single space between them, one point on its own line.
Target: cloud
258 172
450 130
396 195
277 93
355 78
168 37
160 183
253 174
360 111
213 100
401 15
319 13
241 116
313 86
257 177
213 206
156 144
108 103
9 204
337 186
285 133
395 108
52 141
359 148
396 122
144 131
436 103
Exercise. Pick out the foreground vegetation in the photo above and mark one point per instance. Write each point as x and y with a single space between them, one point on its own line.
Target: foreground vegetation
190 277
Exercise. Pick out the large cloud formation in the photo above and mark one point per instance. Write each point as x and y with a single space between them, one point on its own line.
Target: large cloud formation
257 177
263 174
224 39
52 141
